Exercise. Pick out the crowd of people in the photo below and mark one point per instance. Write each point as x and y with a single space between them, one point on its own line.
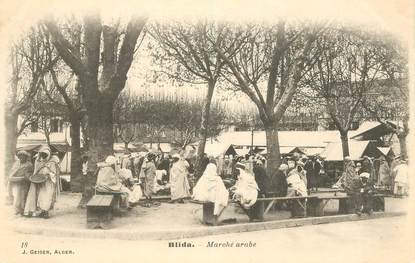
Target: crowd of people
244 179
390 176
142 175
35 185
360 180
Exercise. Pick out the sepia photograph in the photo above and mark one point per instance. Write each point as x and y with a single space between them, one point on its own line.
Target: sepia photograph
198 132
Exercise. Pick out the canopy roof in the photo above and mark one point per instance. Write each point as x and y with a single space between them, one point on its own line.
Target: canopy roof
216 149
60 148
286 150
372 130
333 151
304 139
286 138
33 141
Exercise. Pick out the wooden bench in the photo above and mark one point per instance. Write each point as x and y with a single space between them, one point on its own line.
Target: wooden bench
99 211
116 195
318 203
299 201
258 210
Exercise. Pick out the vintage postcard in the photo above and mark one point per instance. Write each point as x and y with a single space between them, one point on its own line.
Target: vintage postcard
207 131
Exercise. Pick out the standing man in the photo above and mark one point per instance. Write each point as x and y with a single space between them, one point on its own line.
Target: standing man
385 177
179 185
350 182
19 180
309 169
148 175
41 195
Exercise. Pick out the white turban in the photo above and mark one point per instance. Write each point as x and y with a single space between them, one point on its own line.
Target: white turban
111 160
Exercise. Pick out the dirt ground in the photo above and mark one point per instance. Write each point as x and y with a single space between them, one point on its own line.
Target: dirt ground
165 216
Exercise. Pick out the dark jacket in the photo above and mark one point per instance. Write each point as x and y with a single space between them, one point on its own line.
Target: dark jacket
279 184
164 165
262 179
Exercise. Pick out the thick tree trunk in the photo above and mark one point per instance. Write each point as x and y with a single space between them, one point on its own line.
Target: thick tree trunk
11 141
273 149
402 144
204 128
126 147
101 140
345 143
76 169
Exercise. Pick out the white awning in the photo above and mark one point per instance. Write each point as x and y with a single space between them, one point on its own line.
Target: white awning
334 152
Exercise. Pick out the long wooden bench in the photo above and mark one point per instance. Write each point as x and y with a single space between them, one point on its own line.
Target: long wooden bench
258 210
300 200
99 211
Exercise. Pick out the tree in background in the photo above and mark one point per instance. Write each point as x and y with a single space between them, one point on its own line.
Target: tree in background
388 103
29 63
188 56
124 114
139 117
344 73
268 67
63 82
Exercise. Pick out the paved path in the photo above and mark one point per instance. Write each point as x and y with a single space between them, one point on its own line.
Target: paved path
380 240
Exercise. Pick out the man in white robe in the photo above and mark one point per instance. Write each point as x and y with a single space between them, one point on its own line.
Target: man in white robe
109 181
245 189
19 180
41 196
210 188
179 185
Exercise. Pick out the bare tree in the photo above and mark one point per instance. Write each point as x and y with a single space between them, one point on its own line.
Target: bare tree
268 69
187 124
344 73
101 67
187 45
126 115
63 82
388 102
29 63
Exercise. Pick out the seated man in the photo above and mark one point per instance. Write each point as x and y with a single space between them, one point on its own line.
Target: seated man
127 179
109 181
261 178
366 194
210 188
296 186
245 189
279 181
